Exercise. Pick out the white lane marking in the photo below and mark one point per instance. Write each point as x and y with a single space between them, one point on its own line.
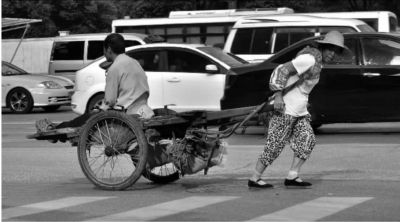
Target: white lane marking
15 140
24 122
17 123
342 145
48 206
313 210
165 209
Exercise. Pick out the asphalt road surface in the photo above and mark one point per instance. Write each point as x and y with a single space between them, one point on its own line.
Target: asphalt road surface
354 170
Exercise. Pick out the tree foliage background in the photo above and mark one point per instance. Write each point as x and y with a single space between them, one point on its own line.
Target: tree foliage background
94 16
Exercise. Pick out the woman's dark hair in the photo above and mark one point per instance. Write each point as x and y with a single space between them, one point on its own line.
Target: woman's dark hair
116 42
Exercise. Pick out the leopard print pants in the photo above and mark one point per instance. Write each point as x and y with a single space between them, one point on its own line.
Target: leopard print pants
284 128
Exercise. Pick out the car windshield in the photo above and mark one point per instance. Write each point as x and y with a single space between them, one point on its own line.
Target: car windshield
366 28
10 70
225 57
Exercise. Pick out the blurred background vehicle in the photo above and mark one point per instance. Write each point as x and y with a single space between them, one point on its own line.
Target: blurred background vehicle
209 27
21 91
182 76
257 38
361 86
381 21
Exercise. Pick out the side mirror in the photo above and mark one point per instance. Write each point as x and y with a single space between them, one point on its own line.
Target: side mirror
211 69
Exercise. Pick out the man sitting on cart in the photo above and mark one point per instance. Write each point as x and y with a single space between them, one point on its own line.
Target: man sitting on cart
126 87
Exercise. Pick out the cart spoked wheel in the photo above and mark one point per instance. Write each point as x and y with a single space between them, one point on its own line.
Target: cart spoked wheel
107 145
166 173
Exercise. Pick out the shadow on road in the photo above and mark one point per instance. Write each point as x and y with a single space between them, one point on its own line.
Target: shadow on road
38 111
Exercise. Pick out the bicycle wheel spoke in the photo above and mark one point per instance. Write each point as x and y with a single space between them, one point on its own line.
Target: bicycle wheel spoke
112 169
108 131
98 130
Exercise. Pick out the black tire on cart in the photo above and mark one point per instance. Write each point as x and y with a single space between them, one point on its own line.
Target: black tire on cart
164 174
107 145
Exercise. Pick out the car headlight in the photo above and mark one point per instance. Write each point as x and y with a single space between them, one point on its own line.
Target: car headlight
49 85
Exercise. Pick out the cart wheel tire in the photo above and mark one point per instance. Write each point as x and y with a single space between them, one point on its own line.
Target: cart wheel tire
113 139
164 174
19 101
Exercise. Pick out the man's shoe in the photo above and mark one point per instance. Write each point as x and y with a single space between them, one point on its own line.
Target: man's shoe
257 184
297 183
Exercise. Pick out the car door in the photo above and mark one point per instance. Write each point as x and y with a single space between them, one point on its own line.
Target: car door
150 60
381 78
338 95
66 58
187 85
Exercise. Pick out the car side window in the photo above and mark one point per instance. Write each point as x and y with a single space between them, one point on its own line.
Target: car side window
242 42
348 56
182 61
72 50
287 36
149 60
95 49
381 51
262 41
252 41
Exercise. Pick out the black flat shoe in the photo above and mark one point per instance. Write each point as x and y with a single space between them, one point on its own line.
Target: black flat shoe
294 183
258 185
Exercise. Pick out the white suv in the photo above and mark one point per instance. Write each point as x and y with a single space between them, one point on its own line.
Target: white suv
182 76
257 38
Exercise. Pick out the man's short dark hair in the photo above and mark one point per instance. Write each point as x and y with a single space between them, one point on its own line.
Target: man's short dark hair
116 42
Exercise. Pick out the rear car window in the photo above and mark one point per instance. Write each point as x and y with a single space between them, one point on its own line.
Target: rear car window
95 48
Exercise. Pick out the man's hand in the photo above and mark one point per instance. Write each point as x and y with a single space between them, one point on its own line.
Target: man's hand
279 104
104 107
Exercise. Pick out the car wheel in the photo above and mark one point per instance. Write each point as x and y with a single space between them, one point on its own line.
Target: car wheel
50 108
95 101
20 100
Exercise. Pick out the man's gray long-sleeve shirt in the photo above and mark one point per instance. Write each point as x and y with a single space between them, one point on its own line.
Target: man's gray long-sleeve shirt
126 82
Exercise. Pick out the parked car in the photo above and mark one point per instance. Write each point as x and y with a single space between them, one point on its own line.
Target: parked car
21 91
363 86
182 76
